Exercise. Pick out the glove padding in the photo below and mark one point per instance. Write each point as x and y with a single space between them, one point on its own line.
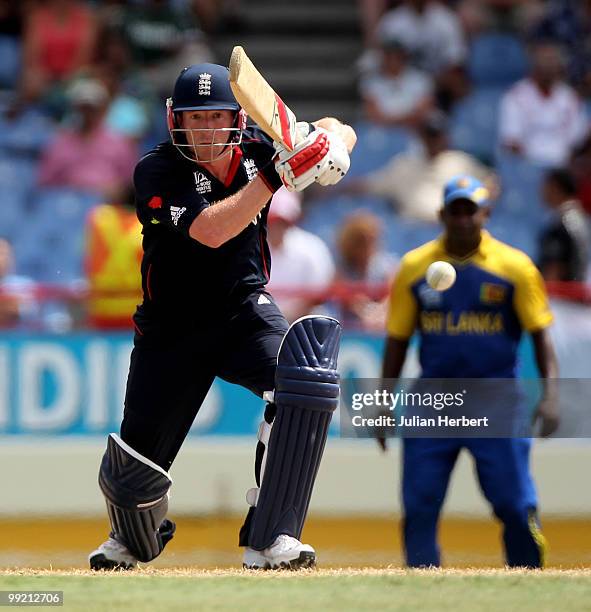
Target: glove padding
338 161
299 168
320 156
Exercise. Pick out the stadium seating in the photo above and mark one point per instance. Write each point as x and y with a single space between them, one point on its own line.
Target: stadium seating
157 133
376 144
51 250
10 66
496 59
16 178
474 122
324 218
26 134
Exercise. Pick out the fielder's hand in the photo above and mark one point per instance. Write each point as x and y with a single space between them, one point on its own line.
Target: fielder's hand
320 157
547 412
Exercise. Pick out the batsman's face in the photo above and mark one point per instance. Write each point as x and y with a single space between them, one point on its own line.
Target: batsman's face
464 220
207 122
208 132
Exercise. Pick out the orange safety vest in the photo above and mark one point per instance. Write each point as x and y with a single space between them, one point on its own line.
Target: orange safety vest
113 257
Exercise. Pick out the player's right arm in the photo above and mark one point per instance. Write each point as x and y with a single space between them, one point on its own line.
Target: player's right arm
227 218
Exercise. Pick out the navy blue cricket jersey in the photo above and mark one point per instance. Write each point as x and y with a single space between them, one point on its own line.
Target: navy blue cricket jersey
184 281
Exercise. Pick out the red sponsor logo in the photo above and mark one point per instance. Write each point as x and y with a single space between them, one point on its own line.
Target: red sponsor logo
155 202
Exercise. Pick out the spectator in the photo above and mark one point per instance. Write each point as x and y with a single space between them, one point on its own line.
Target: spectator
414 180
112 261
397 94
18 306
11 19
87 155
564 244
581 168
433 35
568 22
430 31
25 130
300 260
131 100
59 40
218 16
11 27
362 261
163 40
371 12
505 15
541 116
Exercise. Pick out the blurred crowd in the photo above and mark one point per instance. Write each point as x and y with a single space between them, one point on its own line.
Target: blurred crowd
426 54
463 86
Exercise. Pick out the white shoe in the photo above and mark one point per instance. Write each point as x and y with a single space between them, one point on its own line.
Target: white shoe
111 555
285 553
254 559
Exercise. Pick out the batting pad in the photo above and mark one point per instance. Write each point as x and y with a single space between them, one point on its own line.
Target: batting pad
136 491
306 395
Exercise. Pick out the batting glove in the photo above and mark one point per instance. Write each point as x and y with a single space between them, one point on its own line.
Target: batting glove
338 161
301 167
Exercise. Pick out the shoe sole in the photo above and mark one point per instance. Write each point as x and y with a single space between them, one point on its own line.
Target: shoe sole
306 560
100 562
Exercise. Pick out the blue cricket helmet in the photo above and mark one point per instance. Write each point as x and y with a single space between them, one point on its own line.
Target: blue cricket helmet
203 87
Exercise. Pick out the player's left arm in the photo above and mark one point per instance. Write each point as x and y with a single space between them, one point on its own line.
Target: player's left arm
533 310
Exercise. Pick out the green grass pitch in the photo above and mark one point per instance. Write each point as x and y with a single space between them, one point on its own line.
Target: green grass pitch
326 590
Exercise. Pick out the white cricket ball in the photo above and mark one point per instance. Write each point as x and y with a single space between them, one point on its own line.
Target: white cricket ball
441 275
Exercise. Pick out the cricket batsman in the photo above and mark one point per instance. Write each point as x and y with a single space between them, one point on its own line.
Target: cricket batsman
203 199
501 282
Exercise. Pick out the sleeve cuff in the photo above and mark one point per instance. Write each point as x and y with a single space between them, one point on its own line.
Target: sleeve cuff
270 177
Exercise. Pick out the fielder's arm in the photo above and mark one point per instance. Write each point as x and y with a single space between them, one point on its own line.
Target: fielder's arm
393 360
547 409
394 356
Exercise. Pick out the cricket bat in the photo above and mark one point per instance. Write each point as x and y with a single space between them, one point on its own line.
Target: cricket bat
260 101
268 110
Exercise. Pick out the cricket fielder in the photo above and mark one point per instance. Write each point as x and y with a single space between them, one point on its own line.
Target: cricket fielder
495 284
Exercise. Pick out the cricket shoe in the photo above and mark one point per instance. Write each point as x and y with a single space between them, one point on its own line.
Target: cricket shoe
285 553
111 555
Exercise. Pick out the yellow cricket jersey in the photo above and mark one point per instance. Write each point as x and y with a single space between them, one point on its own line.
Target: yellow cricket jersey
473 329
